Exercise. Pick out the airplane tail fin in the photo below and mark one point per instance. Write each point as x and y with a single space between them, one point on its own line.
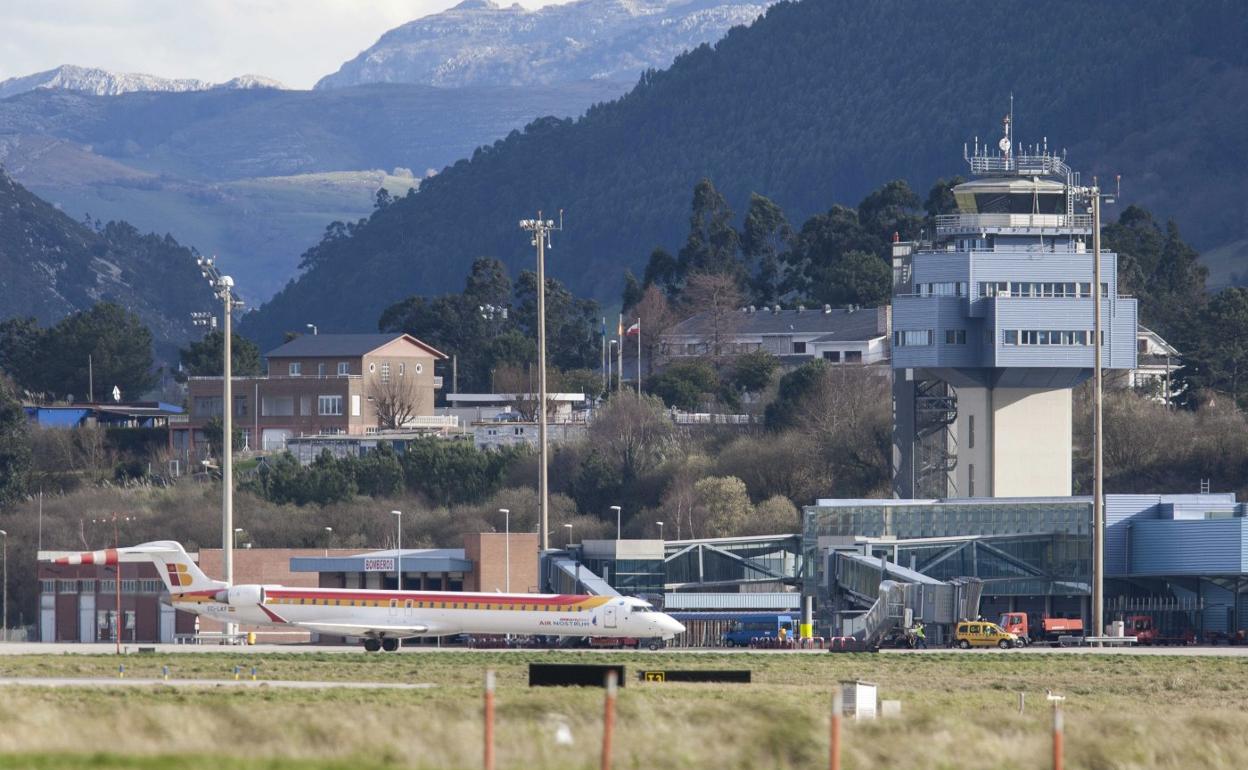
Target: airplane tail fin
181 575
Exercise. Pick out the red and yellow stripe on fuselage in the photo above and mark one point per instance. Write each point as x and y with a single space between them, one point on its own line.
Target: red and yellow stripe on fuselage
435 600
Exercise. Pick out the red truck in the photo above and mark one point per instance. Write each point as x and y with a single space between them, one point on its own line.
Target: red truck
1040 629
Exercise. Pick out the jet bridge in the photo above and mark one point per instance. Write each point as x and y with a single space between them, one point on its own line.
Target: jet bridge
895 595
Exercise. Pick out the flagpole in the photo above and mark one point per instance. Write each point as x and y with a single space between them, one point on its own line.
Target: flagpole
639 357
606 382
620 353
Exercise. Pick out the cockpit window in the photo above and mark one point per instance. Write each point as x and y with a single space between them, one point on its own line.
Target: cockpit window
643 608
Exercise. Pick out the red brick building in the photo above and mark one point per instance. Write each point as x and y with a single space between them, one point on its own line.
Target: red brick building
317 384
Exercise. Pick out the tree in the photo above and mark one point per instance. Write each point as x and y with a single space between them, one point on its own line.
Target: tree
858 279
686 385
656 318
846 414
203 357
890 210
571 341
940 198
15 450
119 347
1217 360
20 343
450 472
488 283
633 433
721 507
379 473
766 236
794 386
662 270
752 371
712 243
717 299
632 290
777 515
214 429
396 398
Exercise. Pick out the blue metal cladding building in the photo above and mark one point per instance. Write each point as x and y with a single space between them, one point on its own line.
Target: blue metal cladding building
993 327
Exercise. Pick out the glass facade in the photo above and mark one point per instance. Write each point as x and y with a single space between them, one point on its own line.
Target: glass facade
1033 548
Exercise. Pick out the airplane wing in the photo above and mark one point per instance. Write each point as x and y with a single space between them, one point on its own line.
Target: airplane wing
361 629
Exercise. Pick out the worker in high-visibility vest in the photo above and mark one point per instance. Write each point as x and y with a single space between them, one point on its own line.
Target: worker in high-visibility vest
920 635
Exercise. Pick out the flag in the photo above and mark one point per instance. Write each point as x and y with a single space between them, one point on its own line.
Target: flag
634 329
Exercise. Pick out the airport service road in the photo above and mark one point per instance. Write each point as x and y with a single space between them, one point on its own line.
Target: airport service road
205 683
38 648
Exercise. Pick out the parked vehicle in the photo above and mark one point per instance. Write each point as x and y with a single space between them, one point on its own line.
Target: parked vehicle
1146 632
1036 629
981 633
749 627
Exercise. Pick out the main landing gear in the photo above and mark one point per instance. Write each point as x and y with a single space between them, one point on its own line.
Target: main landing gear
373 644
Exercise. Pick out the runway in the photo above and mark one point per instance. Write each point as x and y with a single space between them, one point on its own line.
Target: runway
207 683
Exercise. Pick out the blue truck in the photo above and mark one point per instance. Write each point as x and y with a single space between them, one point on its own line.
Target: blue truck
748 627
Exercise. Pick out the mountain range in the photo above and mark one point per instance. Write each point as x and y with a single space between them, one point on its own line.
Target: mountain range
52 265
481 43
90 80
819 102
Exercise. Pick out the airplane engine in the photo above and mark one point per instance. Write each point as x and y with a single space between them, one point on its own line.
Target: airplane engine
243 596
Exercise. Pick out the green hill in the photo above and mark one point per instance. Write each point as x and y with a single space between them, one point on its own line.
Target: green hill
821 101
51 265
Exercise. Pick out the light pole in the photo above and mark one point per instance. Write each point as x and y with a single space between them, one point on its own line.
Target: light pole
312 327
660 529
329 534
223 286
541 230
616 508
506 548
398 548
4 614
576 588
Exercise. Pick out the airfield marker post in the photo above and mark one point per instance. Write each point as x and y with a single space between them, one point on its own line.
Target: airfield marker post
489 720
1058 736
834 734
608 719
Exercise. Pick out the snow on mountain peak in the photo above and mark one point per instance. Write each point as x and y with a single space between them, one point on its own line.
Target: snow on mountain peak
92 80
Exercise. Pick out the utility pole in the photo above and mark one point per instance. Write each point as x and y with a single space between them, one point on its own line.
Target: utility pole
541 230
223 287
4 614
1098 496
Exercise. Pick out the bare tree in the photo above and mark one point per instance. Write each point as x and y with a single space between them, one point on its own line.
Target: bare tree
396 399
656 317
718 299
847 417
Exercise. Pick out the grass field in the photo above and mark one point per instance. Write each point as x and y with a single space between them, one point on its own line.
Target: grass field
958 711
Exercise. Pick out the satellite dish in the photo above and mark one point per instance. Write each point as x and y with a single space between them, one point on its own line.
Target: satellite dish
1004 144
116 393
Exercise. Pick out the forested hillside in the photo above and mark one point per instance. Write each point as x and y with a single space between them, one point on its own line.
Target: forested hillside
51 266
817 103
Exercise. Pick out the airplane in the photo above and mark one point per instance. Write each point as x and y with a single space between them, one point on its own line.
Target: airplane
383 618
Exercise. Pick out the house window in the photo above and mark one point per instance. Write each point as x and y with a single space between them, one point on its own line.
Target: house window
400 369
305 405
277 406
970 480
320 370
853 356
355 405
914 338
955 336
970 431
207 406
420 368
296 369
372 368
329 406
799 347
343 368
385 373
832 355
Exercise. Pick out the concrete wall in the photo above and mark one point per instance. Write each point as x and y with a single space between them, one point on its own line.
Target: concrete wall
1031 442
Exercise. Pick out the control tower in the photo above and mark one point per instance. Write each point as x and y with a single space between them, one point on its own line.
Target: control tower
992 328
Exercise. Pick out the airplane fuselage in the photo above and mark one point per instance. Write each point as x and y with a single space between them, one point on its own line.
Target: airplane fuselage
439 613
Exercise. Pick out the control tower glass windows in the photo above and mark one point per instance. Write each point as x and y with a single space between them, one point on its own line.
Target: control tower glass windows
915 338
1020 203
1047 337
1043 289
943 289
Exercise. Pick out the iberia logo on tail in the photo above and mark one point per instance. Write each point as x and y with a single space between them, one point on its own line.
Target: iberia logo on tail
178 575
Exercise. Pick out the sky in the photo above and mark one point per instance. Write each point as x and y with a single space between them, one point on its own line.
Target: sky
295 41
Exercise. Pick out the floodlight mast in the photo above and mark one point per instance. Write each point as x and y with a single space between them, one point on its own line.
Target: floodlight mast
541 230
223 287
